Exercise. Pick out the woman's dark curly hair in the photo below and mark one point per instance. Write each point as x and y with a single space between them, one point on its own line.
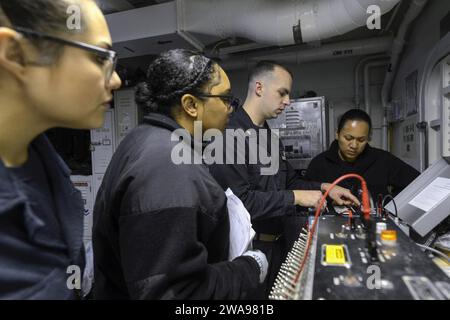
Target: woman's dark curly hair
171 75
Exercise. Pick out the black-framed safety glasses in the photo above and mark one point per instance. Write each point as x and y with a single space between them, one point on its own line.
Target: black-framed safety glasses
108 57
229 100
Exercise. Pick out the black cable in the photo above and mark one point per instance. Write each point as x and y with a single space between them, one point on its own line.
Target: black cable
388 196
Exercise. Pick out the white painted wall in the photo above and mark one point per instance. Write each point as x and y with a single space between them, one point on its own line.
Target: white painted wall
424 35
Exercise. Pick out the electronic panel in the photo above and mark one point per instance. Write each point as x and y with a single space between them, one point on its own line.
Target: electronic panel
340 267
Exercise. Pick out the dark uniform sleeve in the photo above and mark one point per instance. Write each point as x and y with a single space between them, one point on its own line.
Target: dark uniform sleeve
260 204
296 182
401 174
170 263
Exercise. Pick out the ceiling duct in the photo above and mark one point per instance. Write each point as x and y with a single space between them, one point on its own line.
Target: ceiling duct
325 52
197 23
282 22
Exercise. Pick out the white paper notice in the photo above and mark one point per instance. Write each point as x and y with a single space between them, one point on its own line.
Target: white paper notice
241 231
436 192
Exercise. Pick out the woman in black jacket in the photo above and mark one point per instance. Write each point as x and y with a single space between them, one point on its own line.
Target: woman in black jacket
50 76
161 227
351 153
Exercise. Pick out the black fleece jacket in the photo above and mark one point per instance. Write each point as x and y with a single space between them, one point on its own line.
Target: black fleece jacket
379 168
161 230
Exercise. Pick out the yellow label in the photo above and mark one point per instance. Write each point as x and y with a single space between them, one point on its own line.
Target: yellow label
335 254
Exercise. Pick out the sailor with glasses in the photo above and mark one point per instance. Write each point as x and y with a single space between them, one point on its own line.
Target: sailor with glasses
49 77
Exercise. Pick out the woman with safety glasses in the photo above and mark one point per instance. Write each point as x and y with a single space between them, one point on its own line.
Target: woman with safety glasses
51 75
161 229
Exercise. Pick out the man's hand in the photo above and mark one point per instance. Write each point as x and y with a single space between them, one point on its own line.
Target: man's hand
342 196
307 198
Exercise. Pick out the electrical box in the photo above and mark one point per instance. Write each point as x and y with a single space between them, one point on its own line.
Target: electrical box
303 131
84 185
97 179
126 112
104 141
103 144
337 265
102 149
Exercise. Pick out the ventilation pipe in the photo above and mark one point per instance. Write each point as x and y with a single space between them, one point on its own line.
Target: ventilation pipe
325 52
367 67
358 68
266 22
415 8
282 22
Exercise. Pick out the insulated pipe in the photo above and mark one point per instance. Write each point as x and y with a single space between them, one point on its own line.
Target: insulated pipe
367 68
265 22
358 67
282 22
413 12
325 52
325 19
392 18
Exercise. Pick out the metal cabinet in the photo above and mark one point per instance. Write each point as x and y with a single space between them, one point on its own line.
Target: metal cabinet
302 128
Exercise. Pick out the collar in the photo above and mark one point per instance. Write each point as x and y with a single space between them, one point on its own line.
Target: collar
160 120
166 122
365 159
243 120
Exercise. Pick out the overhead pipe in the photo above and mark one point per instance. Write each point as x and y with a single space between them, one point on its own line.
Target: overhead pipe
265 22
415 8
357 72
281 23
326 52
392 18
367 68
